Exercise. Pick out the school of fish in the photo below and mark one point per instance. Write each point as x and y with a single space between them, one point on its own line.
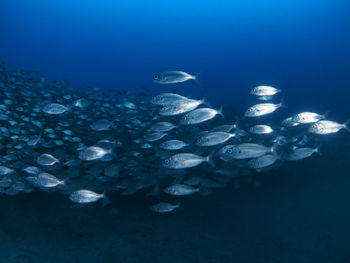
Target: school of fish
87 143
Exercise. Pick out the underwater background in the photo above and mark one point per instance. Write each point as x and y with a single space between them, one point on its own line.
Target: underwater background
298 212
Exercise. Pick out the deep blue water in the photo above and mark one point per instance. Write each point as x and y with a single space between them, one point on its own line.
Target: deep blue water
300 212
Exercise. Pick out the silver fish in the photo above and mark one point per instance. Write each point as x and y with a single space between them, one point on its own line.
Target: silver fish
47 159
180 189
162 127
55 108
163 207
199 116
327 127
214 138
93 153
244 151
263 161
301 153
167 98
180 107
262 109
264 92
307 117
261 129
46 180
185 160
85 196
5 170
171 77
173 145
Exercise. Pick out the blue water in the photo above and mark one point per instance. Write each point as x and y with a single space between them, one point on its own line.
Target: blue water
299 214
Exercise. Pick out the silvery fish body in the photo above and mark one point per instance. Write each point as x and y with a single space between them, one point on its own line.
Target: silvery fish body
261 129
154 136
184 160
85 196
301 153
5 170
262 109
55 108
46 159
180 189
214 138
172 77
263 161
179 107
45 180
162 127
92 153
167 98
264 91
101 125
327 127
163 207
173 145
199 116
243 151
307 117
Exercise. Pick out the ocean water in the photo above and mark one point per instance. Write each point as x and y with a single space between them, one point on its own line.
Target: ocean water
296 212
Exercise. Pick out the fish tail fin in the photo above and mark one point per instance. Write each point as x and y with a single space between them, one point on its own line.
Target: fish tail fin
274 149
347 125
205 102
209 159
318 150
195 78
282 104
106 200
219 111
324 116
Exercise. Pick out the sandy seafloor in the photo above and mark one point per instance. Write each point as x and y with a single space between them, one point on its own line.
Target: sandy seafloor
298 213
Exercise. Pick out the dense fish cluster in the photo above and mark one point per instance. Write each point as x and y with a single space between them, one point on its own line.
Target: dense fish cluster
86 143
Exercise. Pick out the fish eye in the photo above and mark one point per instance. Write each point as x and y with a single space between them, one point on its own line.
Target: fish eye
165 108
156 77
249 109
230 150
166 160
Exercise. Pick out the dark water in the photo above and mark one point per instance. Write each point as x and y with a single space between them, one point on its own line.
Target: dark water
297 213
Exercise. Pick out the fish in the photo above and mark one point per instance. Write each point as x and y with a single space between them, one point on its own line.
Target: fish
186 160
180 107
263 161
264 92
93 153
47 159
101 125
45 180
167 98
162 127
214 138
261 129
55 109
307 117
173 145
164 207
262 109
200 115
5 170
325 127
244 151
85 196
302 153
171 77
180 189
